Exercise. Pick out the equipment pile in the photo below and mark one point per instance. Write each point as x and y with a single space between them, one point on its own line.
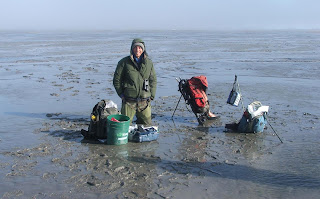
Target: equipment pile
194 93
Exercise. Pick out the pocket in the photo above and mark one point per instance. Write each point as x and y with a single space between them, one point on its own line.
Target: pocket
142 105
130 92
145 94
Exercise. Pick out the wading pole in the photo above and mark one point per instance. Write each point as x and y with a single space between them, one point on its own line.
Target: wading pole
176 106
275 131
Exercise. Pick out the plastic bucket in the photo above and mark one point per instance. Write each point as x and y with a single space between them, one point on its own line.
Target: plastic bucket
117 132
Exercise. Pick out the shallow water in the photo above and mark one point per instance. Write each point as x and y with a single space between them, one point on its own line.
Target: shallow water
67 73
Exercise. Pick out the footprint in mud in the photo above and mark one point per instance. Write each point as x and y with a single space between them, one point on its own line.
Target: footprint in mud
53 114
41 79
54 94
75 92
58 85
66 89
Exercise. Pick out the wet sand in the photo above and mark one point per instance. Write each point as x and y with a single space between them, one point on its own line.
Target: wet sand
50 83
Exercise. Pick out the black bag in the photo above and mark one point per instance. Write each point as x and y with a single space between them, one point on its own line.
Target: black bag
98 120
235 95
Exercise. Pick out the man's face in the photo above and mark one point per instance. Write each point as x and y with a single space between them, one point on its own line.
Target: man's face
137 51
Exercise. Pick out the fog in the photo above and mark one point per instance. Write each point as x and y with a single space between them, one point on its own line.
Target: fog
158 15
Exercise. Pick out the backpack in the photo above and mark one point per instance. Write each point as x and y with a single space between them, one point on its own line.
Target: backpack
254 118
98 119
194 92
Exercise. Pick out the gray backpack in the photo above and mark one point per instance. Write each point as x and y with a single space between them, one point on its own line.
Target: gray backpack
98 120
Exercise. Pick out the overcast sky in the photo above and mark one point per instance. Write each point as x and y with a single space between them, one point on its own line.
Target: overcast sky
159 14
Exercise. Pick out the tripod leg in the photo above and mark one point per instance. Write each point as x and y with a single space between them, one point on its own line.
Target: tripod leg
177 105
199 118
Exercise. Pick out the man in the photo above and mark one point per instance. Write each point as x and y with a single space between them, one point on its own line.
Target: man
135 82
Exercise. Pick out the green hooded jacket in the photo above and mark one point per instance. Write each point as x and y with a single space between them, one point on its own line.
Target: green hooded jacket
128 79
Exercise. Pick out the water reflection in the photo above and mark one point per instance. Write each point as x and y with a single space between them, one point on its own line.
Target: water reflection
250 146
238 172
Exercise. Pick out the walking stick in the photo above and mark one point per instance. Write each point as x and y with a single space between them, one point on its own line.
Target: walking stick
274 130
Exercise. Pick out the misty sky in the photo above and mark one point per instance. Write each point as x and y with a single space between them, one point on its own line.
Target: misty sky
158 14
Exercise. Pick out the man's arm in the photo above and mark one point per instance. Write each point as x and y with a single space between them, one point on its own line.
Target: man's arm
117 79
153 82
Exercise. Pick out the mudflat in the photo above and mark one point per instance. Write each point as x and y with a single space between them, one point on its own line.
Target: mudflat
51 81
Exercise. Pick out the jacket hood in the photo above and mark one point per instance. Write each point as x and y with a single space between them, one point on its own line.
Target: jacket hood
138 40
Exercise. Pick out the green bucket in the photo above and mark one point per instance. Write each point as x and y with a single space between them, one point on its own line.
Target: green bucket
117 132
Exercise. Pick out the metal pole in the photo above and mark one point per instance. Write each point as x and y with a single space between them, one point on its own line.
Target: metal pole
274 130
176 106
